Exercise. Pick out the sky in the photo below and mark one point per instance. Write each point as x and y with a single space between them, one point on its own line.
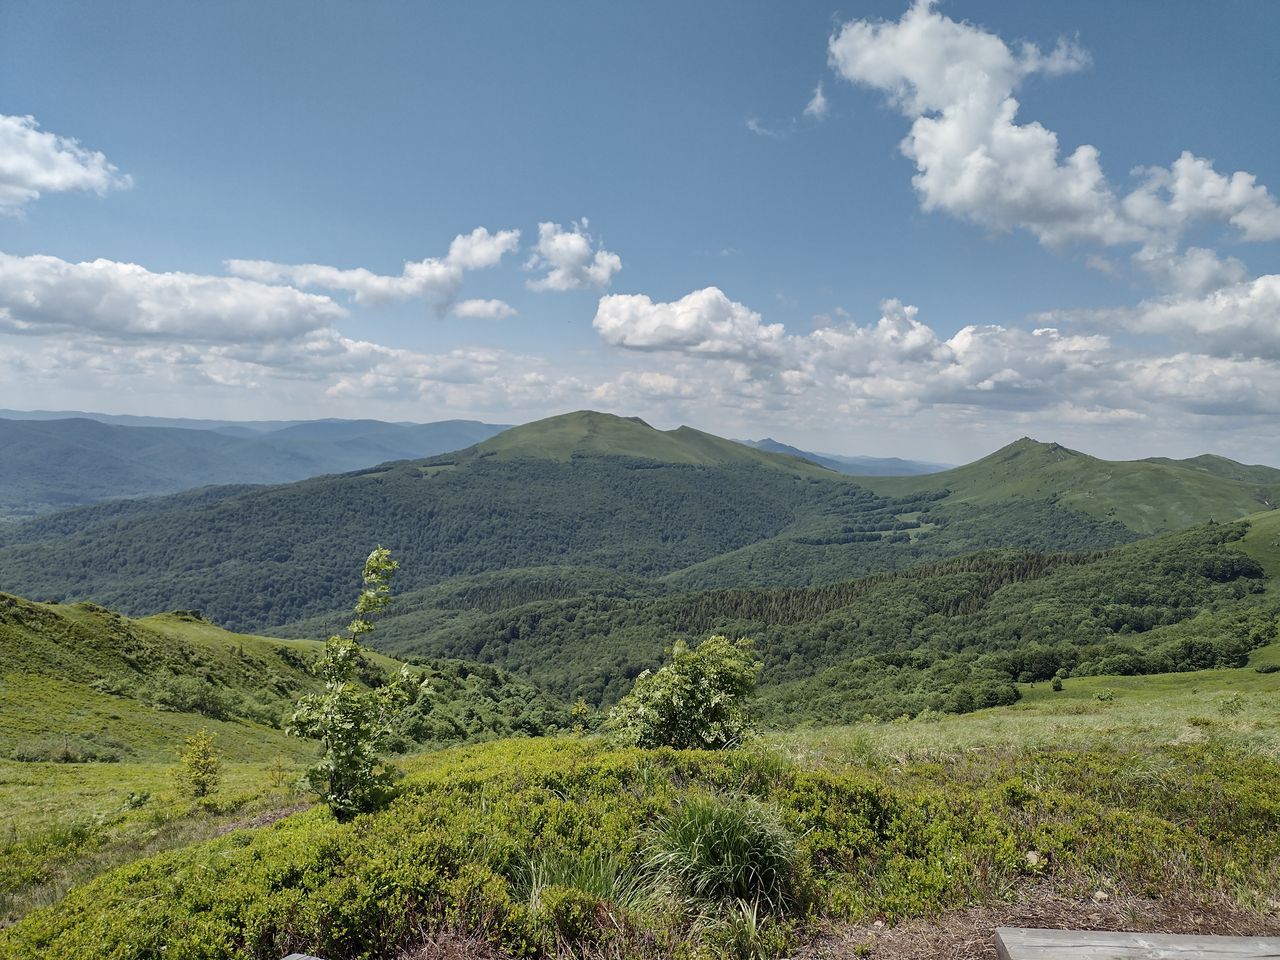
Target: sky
886 228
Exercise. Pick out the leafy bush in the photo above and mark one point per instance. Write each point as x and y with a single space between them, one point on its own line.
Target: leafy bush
352 723
697 701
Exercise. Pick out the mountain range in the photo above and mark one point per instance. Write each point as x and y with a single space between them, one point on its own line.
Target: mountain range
53 460
606 496
51 463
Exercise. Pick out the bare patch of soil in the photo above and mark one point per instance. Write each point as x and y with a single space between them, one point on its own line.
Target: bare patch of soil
969 934
453 946
264 819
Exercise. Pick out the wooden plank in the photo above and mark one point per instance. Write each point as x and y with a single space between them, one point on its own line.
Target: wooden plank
1013 943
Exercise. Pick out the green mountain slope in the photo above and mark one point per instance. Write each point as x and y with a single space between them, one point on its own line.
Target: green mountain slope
588 433
1148 496
79 681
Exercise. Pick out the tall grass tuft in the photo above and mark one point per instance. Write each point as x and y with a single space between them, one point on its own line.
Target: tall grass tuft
725 849
607 878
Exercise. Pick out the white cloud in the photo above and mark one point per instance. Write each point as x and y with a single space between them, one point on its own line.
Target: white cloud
484 310
34 162
1241 320
956 81
1192 190
123 301
571 259
720 355
121 330
756 126
634 389
1193 272
817 106
435 279
704 322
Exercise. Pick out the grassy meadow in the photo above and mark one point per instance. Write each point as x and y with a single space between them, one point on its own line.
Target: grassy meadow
558 844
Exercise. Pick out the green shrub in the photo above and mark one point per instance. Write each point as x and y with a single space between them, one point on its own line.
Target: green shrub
88 748
536 845
353 724
200 766
696 702
722 848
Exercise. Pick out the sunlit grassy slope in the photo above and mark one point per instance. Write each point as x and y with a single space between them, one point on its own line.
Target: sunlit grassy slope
588 433
1149 496
540 847
1239 708
80 676
1262 542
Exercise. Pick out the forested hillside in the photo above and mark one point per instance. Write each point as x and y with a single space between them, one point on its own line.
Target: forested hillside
51 464
949 636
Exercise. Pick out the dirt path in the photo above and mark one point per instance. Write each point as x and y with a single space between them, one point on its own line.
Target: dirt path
969 934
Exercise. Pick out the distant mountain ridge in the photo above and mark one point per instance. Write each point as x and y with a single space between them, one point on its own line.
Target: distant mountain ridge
49 464
854 466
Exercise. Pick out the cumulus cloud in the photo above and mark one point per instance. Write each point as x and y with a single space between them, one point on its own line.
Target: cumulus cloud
34 162
124 301
719 354
1190 190
975 160
124 330
704 322
1193 272
1241 320
641 388
571 258
435 279
484 310
817 106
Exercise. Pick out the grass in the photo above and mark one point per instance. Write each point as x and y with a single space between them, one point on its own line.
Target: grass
1262 542
81 677
61 825
1148 713
726 850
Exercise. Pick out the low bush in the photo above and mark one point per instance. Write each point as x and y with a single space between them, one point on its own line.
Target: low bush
88 748
560 846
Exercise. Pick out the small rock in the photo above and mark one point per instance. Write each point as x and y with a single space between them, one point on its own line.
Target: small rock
1033 858
1101 896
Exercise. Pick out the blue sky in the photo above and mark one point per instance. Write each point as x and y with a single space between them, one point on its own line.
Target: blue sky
714 253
